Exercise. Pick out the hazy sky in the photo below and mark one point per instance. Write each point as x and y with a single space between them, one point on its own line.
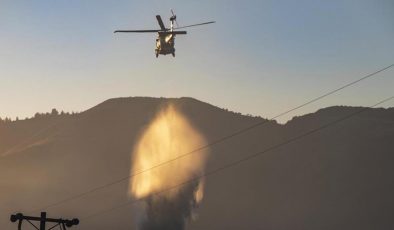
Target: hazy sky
261 57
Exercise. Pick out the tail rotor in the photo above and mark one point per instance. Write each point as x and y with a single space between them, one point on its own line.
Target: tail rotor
173 18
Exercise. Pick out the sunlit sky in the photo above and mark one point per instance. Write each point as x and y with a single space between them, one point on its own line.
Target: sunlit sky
260 58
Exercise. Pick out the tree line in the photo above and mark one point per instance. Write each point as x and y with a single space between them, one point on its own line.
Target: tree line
53 113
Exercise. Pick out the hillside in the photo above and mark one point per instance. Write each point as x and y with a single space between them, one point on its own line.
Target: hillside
338 178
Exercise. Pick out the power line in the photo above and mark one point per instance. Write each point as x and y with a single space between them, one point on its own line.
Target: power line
216 141
242 160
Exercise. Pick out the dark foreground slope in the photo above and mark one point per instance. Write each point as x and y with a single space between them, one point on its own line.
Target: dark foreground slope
338 178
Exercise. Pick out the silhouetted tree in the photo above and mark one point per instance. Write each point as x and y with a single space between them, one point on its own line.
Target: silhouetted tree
54 112
37 115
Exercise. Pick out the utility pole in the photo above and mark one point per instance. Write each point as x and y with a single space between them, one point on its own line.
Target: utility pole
63 224
43 220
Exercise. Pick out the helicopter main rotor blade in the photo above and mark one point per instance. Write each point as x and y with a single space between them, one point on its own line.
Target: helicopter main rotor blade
173 32
136 31
199 24
161 24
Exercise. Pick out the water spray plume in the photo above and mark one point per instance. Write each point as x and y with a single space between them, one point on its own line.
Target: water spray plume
168 136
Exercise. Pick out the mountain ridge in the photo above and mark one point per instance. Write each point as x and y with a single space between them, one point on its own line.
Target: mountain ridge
338 175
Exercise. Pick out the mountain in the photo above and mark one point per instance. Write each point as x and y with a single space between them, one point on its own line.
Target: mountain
341 177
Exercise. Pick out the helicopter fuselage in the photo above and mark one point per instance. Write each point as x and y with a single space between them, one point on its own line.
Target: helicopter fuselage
165 44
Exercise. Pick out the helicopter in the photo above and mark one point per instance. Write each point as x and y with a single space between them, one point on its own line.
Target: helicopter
165 40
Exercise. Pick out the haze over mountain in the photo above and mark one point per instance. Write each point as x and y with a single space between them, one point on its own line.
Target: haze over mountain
339 178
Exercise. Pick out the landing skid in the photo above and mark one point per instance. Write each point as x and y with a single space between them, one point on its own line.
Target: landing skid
157 54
